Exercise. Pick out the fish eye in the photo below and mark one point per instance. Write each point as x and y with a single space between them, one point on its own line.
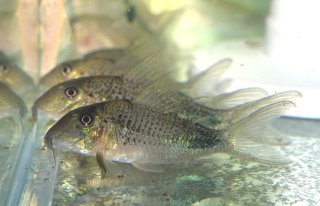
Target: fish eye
66 69
86 119
4 68
71 92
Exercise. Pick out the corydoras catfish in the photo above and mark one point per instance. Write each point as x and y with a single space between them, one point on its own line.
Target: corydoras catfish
101 62
13 76
87 90
139 133
72 94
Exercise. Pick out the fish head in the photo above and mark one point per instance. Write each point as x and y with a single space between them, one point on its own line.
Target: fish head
79 130
10 102
62 72
60 99
12 75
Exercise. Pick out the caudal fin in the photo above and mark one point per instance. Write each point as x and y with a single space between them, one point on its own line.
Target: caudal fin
251 135
232 99
239 112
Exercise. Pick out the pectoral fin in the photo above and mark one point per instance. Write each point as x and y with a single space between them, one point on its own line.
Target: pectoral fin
108 166
147 167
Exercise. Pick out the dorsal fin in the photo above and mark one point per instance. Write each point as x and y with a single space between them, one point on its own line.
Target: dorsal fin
160 95
213 73
149 69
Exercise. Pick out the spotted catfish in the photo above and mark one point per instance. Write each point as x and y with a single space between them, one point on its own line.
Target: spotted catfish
13 76
140 133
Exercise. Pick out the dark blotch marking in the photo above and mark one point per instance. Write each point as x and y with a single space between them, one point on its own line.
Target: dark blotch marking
131 13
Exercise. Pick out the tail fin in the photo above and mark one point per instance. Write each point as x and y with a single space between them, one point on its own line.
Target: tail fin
239 112
249 134
232 99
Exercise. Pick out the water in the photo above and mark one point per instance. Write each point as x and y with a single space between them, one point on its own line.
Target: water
28 175
9 139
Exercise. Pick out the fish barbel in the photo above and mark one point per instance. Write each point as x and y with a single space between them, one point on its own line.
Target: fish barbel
135 133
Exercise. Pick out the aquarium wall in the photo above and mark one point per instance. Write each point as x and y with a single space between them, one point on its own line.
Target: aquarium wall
226 91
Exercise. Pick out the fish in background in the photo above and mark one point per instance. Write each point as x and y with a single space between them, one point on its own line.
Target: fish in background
144 54
90 88
11 105
17 79
141 132
69 95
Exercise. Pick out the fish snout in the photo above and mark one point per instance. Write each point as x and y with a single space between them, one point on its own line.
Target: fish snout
41 109
48 140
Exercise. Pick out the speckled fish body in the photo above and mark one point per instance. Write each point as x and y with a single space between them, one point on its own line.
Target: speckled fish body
69 95
130 132
133 132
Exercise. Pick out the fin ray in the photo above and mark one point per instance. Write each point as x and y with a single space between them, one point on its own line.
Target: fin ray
239 112
107 166
249 134
214 72
160 94
232 99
